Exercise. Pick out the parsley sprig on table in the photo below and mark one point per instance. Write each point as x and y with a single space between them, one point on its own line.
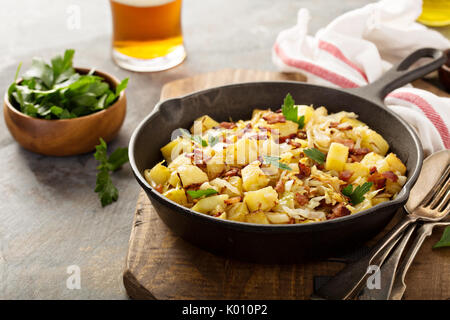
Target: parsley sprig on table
445 239
57 91
290 111
106 190
357 195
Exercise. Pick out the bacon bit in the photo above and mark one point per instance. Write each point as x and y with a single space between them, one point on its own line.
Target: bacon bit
338 211
272 118
227 125
360 151
339 126
247 128
233 200
259 136
287 138
232 172
390 175
346 142
334 124
356 158
345 175
291 221
294 144
301 134
159 188
378 180
279 111
301 199
320 166
265 129
305 171
280 186
217 214
373 170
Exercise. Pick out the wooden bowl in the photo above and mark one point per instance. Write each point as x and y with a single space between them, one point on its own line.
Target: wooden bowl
67 137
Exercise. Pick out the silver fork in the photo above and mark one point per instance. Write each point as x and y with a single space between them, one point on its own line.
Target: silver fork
399 286
348 282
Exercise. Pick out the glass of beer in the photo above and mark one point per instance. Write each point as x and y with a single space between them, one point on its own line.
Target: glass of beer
147 34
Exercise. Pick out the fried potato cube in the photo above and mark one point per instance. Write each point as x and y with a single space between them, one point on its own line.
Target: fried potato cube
209 204
191 174
167 149
392 187
306 111
337 157
284 129
253 178
159 174
257 217
374 141
242 152
358 169
372 159
178 161
353 122
237 211
277 217
215 166
395 164
174 179
263 199
378 200
203 124
177 195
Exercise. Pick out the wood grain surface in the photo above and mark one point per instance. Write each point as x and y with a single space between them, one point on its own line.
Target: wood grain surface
160 265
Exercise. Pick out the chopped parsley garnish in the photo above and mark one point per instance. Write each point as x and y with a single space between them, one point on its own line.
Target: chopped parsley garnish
357 195
200 193
194 138
213 140
275 161
315 155
106 190
290 111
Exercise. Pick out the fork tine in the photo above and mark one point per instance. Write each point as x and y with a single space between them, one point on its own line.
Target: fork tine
439 195
430 195
445 200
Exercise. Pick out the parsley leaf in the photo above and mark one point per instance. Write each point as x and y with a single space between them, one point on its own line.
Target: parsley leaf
315 155
194 138
57 91
445 239
213 140
290 111
275 161
357 196
200 193
106 190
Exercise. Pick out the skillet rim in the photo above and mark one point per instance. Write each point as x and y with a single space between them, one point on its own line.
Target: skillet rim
400 200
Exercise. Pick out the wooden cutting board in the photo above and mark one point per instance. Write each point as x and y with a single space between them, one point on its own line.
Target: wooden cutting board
160 265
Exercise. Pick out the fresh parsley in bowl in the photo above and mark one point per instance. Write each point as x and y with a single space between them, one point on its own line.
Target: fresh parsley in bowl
56 90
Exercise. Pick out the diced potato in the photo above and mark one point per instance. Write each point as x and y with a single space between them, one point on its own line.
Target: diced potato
284 129
378 200
395 164
215 166
277 217
191 174
337 157
167 149
222 216
209 204
392 187
372 159
366 204
306 111
237 211
180 160
202 124
262 199
159 174
353 122
253 178
358 169
236 182
257 217
243 152
374 141
225 187
174 179
177 195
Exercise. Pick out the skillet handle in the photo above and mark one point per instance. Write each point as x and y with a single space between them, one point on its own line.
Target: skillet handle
399 74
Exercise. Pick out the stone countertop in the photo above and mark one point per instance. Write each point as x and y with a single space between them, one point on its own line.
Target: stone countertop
50 216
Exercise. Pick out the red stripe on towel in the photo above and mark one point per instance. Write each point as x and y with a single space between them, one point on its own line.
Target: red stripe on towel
429 112
337 53
314 69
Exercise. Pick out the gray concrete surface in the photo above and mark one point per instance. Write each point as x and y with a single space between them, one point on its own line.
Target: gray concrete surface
50 217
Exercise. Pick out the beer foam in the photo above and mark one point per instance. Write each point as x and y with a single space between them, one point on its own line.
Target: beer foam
143 3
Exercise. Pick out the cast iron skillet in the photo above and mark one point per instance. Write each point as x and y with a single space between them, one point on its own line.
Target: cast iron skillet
281 243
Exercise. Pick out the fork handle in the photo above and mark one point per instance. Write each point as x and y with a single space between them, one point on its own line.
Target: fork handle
347 283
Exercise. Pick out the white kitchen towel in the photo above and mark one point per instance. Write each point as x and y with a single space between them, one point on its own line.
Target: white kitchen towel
358 47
